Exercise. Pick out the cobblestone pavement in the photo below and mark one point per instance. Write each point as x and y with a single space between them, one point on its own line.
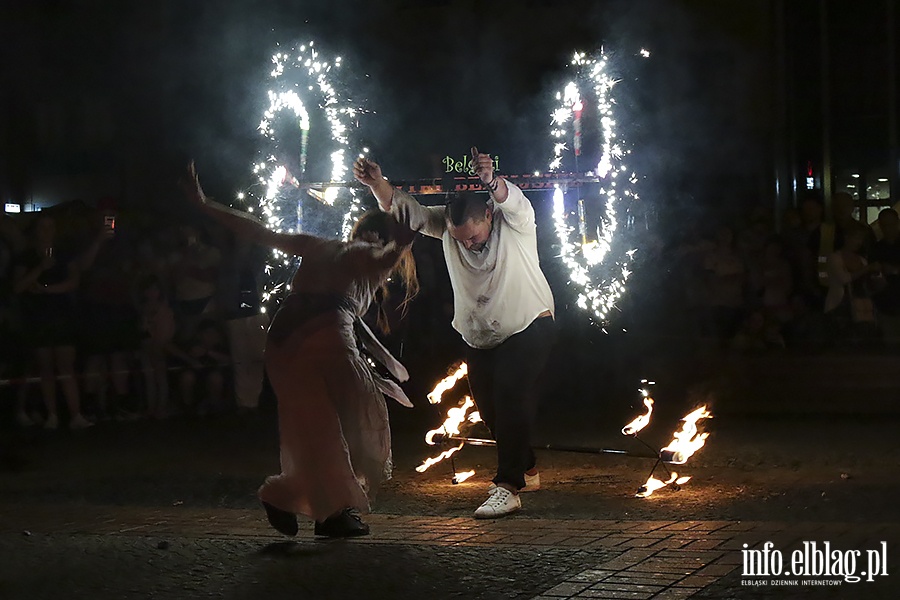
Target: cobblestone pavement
177 552
140 510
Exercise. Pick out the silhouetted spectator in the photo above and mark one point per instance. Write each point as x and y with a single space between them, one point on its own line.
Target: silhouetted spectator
775 282
757 334
110 333
829 237
848 274
13 362
45 279
886 252
203 361
245 324
195 272
725 272
158 330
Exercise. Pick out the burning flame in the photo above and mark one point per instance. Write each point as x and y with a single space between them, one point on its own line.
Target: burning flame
456 416
643 420
654 484
687 441
460 477
434 397
429 462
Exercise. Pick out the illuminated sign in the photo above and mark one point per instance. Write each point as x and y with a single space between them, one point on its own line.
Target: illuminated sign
12 207
451 165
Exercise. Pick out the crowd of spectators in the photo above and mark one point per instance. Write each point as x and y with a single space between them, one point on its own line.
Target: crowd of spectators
130 316
136 321
152 319
816 284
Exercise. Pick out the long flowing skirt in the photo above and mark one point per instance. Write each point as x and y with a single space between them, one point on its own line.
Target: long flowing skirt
333 423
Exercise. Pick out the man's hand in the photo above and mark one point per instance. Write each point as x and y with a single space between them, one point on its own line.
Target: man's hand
367 172
483 166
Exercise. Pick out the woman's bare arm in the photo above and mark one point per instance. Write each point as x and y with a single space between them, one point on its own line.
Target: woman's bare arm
245 225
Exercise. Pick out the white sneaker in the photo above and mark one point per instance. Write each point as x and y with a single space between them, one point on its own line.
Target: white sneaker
23 420
532 483
52 422
79 422
500 503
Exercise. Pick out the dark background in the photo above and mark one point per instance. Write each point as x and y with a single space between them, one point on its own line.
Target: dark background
109 98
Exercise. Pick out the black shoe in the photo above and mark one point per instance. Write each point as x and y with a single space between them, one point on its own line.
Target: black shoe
346 523
283 521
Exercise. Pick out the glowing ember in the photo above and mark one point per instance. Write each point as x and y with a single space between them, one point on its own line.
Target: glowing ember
687 441
434 397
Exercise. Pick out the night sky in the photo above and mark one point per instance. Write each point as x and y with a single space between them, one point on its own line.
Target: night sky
159 81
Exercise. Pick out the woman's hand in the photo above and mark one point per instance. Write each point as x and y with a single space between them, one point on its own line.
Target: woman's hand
403 234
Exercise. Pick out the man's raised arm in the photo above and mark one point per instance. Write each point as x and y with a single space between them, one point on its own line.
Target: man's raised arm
368 173
428 220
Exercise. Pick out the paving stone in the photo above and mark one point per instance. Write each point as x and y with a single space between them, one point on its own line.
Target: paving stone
591 576
132 566
566 589
596 592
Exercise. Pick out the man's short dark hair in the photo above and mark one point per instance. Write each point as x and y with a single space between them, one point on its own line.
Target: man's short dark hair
462 206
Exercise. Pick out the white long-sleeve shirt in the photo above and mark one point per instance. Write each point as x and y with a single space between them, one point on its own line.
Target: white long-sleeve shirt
500 290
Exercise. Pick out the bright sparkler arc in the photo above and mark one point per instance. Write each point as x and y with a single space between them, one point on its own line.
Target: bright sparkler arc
586 259
302 81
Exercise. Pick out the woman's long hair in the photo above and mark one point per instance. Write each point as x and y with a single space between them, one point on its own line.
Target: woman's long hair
385 226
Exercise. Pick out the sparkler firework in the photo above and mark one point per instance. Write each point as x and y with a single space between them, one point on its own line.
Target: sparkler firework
304 86
600 283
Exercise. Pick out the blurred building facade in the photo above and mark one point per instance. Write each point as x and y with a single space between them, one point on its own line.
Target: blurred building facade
836 104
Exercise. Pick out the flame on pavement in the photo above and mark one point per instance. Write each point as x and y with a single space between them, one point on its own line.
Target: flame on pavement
685 442
688 440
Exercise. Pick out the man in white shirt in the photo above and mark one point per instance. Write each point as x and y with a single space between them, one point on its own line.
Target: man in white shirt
503 309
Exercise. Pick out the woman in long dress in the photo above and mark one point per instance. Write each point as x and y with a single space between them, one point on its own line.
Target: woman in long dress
333 421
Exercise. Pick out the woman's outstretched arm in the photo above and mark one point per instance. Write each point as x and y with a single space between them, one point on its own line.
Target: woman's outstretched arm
245 225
